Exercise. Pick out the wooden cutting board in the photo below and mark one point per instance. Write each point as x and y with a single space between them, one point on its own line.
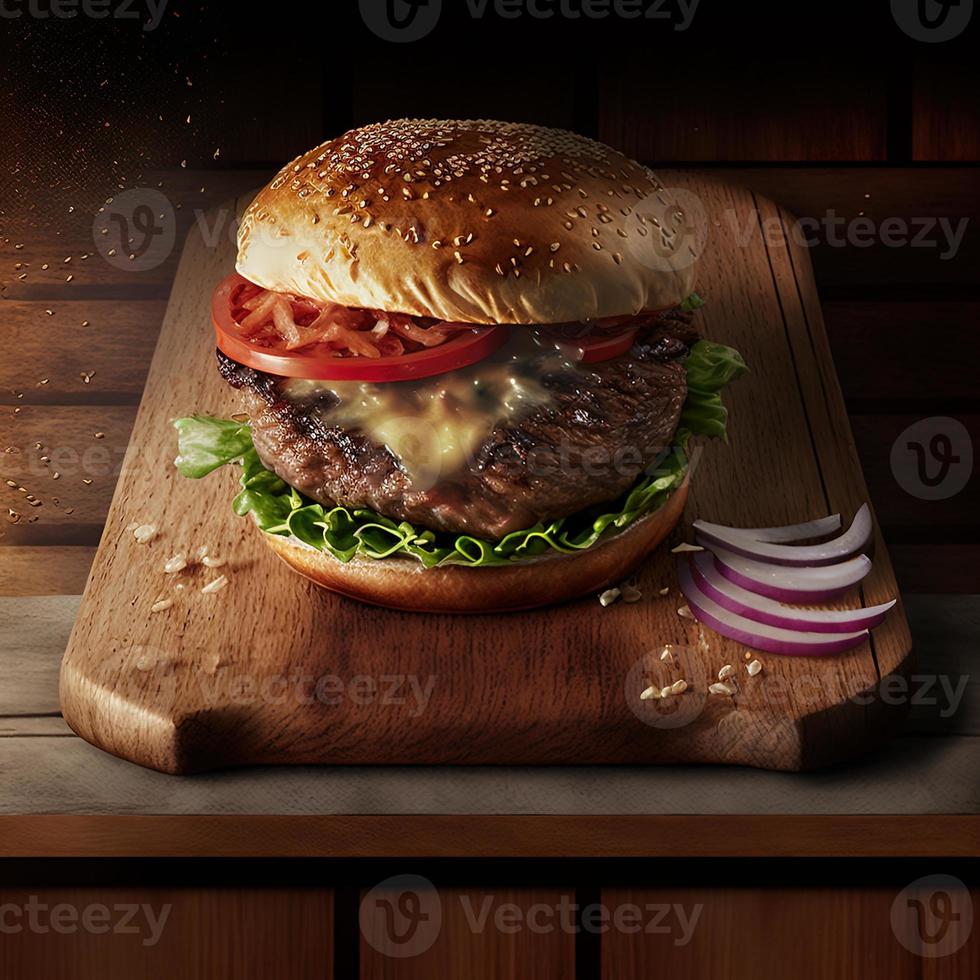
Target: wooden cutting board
272 670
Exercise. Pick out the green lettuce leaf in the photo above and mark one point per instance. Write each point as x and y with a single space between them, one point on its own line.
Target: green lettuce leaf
207 443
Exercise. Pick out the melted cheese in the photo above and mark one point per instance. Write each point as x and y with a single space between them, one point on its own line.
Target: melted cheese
435 426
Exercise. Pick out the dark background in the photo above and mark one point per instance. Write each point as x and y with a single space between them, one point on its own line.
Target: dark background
819 106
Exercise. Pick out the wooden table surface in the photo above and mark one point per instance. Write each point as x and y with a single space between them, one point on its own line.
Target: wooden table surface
72 391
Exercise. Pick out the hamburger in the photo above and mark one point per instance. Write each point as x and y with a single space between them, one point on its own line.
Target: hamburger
469 363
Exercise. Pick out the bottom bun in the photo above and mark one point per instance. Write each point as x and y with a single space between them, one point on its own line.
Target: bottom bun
404 583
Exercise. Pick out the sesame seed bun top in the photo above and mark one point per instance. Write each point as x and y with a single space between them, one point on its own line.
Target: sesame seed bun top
474 221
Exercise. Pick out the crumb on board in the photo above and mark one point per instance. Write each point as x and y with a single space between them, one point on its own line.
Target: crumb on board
145 533
216 586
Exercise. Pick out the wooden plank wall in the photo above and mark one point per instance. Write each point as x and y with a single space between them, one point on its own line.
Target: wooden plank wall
884 117
847 139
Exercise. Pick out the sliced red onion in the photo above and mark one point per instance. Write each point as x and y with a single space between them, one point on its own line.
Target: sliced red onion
742 602
759 636
741 542
779 535
796 585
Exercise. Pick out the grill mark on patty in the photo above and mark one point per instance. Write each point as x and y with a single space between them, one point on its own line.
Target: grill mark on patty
607 423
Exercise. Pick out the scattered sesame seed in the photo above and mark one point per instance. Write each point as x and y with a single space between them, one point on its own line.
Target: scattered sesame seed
754 668
162 605
666 654
175 564
685 613
145 533
651 693
726 671
678 687
216 586
719 688
609 597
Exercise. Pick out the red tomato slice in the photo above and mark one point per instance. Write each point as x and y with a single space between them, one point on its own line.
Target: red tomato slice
600 340
599 347
472 344
590 345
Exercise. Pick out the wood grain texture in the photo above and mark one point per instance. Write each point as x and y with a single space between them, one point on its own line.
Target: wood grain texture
117 344
480 934
73 504
691 116
35 726
945 117
260 933
46 257
437 836
841 475
877 345
536 94
876 436
866 263
226 679
50 571
911 775
34 630
921 775
809 933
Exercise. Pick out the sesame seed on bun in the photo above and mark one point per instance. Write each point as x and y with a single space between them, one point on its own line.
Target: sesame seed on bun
474 221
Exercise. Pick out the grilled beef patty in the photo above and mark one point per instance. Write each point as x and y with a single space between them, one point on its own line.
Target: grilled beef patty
586 442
